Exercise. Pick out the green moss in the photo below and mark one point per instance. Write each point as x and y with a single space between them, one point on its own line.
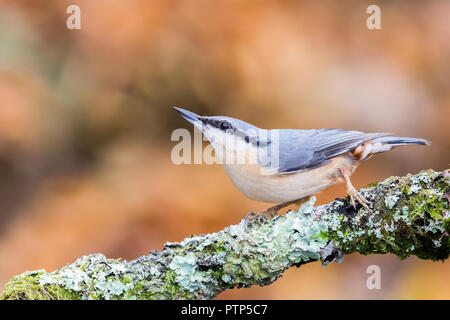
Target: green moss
26 287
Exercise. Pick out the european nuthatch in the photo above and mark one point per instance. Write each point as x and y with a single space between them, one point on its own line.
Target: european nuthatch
286 165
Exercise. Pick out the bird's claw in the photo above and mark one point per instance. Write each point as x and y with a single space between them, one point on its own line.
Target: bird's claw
259 216
248 218
354 194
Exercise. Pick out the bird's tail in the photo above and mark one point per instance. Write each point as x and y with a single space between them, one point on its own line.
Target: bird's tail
383 144
400 141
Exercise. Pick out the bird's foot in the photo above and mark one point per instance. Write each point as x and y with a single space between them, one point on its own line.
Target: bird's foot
354 194
259 216
272 211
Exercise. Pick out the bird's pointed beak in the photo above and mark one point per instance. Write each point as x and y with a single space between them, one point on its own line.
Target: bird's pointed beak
188 115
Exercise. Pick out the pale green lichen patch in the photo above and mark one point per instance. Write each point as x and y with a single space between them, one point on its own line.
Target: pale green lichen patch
271 247
187 274
240 256
391 200
90 277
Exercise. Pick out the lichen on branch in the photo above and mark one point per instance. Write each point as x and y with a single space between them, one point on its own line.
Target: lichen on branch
410 217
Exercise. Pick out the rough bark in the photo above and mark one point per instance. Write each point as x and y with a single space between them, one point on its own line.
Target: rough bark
411 217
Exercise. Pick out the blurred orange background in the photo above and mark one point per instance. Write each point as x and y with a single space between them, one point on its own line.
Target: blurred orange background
86 119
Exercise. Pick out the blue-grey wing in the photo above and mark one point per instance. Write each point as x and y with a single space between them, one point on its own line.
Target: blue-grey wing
300 150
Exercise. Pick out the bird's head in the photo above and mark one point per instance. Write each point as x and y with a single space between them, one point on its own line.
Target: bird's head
227 135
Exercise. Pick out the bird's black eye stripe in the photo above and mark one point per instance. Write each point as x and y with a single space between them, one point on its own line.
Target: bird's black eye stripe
220 124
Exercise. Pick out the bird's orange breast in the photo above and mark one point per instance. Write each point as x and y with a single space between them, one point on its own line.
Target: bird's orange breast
265 185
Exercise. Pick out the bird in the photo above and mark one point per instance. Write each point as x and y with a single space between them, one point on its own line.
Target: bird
288 166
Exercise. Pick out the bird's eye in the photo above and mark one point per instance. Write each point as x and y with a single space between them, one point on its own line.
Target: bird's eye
224 125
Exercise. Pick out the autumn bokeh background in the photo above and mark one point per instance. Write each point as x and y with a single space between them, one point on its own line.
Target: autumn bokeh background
86 119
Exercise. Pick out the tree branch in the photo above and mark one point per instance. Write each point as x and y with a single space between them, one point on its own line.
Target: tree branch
411 217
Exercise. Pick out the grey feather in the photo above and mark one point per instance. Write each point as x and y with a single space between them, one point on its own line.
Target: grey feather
300 150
